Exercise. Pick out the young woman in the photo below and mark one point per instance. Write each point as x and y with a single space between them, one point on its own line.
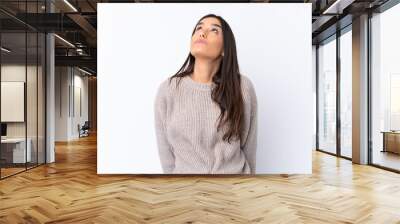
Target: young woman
206 114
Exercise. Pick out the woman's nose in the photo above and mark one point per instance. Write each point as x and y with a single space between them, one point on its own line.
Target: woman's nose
203 35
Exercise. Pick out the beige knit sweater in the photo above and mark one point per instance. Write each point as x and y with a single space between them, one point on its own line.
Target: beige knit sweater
186 130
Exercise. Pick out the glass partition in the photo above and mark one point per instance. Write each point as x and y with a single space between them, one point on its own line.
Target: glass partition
32 95
385 89
22 101
346 94
41 85
14 153
327 96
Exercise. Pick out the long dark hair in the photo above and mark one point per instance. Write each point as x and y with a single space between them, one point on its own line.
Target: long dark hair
227 92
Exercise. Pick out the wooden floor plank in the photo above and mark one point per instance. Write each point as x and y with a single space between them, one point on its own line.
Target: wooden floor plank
70 191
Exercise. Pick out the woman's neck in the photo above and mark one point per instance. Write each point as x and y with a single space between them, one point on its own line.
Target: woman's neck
204 70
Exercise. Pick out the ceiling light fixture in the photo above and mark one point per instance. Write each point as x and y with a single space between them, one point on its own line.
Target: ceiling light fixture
64 40
337 7
5 50
70 5
84 71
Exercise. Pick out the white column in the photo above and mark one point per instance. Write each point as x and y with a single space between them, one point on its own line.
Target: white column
50 92
360 90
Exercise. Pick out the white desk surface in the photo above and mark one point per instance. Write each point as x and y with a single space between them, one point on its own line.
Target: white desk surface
13 140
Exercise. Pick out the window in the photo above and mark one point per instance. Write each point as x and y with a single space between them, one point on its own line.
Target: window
385 88
327 96
346 94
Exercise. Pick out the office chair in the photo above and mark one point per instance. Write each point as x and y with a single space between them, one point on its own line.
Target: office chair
84 130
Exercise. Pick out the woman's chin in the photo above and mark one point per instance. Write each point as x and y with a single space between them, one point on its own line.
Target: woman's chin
201 55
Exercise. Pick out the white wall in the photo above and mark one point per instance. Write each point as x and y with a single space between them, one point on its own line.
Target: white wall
80 83
68 81
61 103
274 51
314 87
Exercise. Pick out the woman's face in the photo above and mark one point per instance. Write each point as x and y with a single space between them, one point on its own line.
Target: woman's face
207 41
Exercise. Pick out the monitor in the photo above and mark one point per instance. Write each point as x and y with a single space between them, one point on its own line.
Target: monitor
3 129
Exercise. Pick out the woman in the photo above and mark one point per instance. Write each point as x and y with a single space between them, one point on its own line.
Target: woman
206 114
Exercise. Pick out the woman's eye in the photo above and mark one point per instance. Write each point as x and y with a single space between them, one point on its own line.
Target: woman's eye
199 27
214 30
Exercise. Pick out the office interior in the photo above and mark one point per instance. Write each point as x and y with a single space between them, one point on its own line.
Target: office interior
335 60
49 94
48 82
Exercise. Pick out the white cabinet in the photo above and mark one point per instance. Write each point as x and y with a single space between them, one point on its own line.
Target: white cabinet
18 149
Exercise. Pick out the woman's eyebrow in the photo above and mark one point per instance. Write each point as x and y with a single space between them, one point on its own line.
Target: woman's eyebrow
201 23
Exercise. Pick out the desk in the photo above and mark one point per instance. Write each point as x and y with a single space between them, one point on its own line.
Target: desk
16 151
391 141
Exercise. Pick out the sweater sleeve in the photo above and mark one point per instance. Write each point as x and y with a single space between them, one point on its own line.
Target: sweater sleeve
250 144
166 155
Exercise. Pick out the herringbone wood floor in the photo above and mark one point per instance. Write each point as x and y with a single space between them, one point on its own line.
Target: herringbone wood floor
70 191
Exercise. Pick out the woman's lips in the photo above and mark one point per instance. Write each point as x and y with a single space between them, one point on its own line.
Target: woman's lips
200 42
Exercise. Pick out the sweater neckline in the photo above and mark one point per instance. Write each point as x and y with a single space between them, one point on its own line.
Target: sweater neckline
197 85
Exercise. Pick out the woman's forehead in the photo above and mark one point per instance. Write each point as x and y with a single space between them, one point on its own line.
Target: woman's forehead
210 21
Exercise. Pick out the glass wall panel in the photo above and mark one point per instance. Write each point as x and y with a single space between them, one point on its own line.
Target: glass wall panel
14 154
22 77
385 81
32 95
327 96
41 98
32 85
346 94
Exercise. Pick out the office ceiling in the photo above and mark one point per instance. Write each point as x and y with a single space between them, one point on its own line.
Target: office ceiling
76 21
